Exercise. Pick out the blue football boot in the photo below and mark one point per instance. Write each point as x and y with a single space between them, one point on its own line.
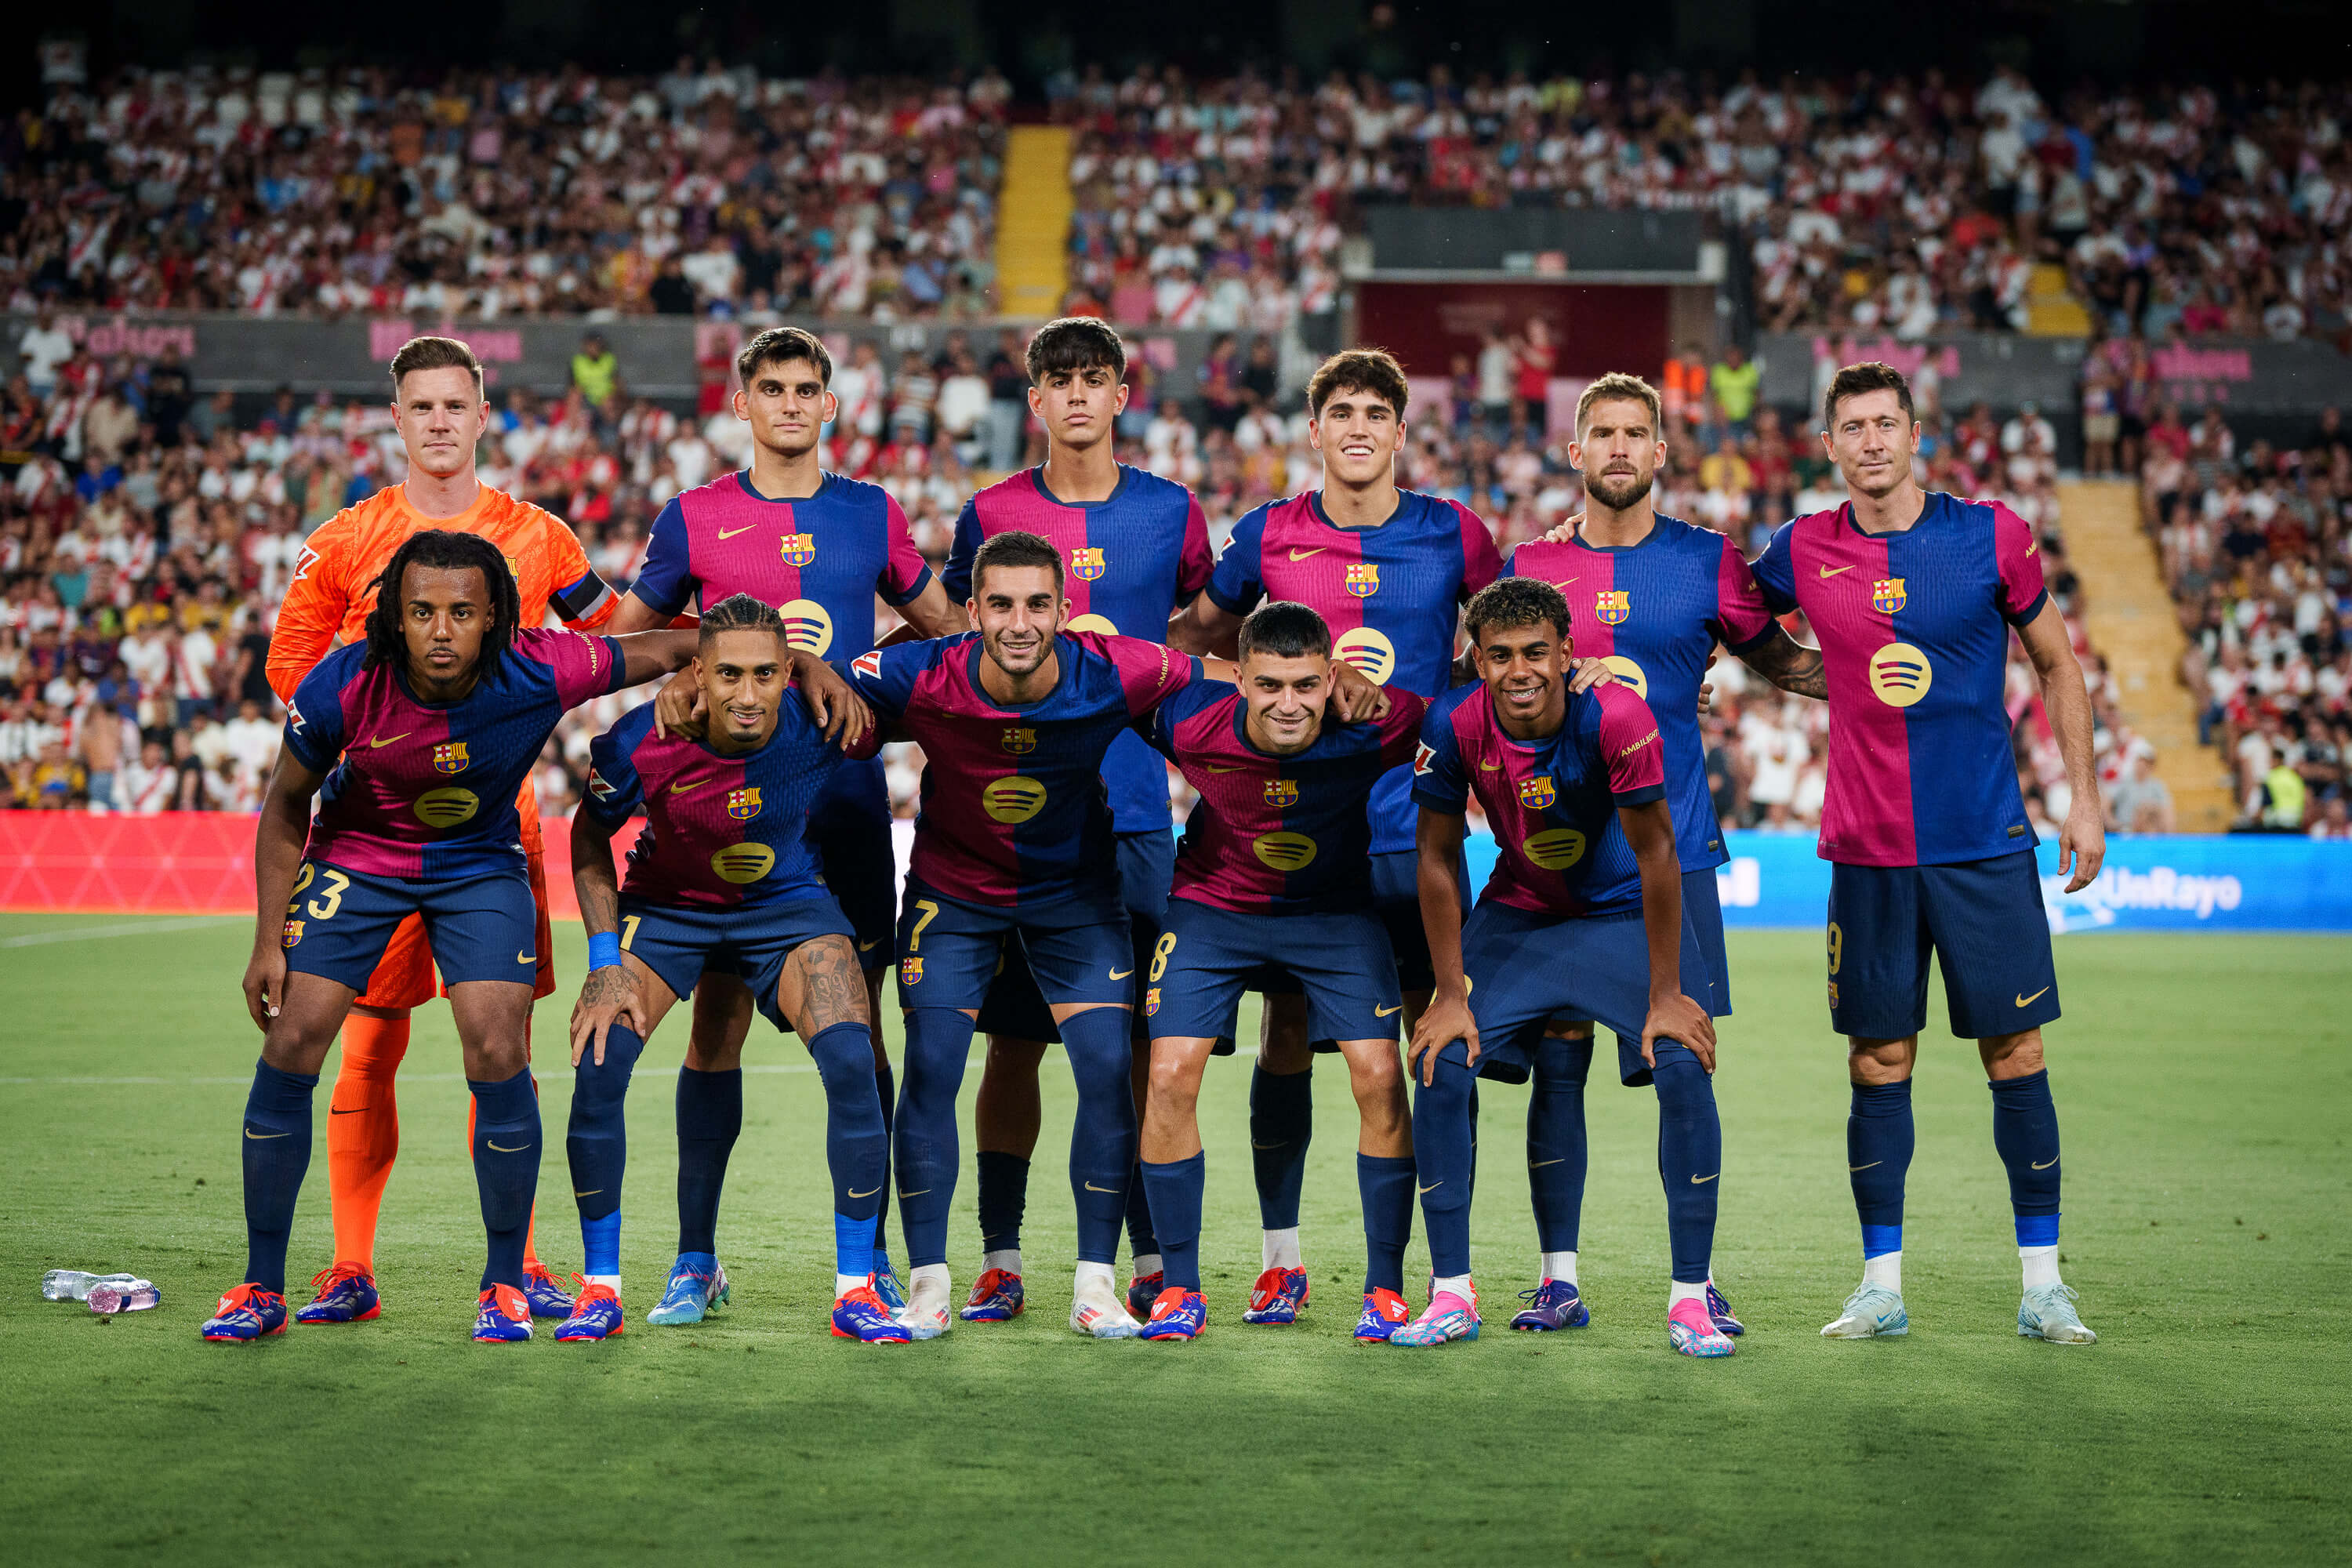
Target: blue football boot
244 1314
697 1284
1554 1304
860 1316
1720 1311
504 1319
546 1297
1384 1313
1277 1297
1143 1292
595 1316
887 1288
996 1298
1177 1314
346 1294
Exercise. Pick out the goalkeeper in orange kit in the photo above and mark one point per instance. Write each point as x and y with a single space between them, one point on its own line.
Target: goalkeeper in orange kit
438 400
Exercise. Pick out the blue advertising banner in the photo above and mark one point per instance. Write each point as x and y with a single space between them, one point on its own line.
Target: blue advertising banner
2230 882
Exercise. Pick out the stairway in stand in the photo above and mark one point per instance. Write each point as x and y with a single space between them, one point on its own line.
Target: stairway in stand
1033 221
2130 618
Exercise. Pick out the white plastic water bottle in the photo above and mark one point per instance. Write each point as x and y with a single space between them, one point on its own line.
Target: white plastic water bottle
127 1294
73 1285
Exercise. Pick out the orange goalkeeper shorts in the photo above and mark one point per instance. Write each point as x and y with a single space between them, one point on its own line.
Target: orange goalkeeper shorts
405 978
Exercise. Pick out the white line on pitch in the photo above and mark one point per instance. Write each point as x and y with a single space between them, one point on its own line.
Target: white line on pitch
91 934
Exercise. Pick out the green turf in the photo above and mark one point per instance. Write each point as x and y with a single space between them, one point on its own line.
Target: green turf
2202 1085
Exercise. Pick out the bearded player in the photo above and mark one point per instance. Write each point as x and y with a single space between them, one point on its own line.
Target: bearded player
1913 595
821 549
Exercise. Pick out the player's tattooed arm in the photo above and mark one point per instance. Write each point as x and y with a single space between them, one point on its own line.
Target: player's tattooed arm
822 987
278 835
1437 845
1650 832
610 995
1789 665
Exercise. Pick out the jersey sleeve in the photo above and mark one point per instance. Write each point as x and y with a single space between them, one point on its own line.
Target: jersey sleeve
582 599
1198 561
1401 731
317 600
1149 672
1511 565
886 676
1439 780
667 580
956 576
615 792
1775 571
1238 580
315 729
1742 619
1157 727
584 666
1482 563
905 574
2018 552
1630 747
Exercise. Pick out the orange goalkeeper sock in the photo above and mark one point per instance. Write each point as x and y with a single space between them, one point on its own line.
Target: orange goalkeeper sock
363 1132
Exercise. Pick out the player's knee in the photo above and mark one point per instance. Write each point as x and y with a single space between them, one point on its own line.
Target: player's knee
1013 1058
1872 1062
2012 1055
1682 1081
721 1055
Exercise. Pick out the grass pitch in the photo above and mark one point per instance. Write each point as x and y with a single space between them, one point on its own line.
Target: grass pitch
2203 1086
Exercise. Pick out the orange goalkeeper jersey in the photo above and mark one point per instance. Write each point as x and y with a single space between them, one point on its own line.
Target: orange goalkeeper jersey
333 587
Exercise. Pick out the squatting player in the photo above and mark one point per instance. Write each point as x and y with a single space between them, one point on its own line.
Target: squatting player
819 548
1912 596
723 880
1388 569
436 401
438 715
1582 918
1272 880
1135 549
1651 596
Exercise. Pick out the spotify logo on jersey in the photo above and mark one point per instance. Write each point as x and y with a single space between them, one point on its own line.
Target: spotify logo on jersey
1628 673
740 863
1284 851
445 808
1900 674
1013 800
1556 848
806 625
1092 624
1372 654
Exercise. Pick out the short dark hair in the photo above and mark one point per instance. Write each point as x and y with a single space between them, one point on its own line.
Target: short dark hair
1069 344
1854 380
1375 371
740 613
446 548
1285 629
1516 602
1015 549
434 353
781 346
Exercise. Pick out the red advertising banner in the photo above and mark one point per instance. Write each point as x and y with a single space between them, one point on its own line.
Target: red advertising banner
1599 327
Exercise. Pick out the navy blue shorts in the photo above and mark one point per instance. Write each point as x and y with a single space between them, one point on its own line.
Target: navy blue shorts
1396 902
480 928
849 828
681 945
1207 956
1710 984
1525 969
949 951
1016 1008
1983 919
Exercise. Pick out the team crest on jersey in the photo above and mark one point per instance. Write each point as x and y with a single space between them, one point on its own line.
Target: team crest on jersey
799 548
1363 579
1612 606
1886 595
1087 563
1019 742
451 758
868 664
1537 793
743 805
1151 1003
1281 794
293 932
911 971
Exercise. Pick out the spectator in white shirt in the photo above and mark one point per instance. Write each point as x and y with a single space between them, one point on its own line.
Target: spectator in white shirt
145 788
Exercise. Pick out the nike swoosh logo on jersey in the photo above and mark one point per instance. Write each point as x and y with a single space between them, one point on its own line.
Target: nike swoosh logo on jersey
388 740
1388 1011
2045 1164
866 1194
1237 768
1833 571
1120 974
870 946
502 1148
1701 1181
1431 1187
682 788
526 958
731 532
2022 1001
1303 554
1488 767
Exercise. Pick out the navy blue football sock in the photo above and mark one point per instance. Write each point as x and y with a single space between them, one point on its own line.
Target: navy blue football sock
1878 1142
1175 1194
709 1120
938 1044
1102 1140
506 1169
1441 1145
277 1147
1690 1158
856 1149
596 1138
1556 1144
1385 1183
1282 1125
886 1086
1003 1197
1474 1137
2025 1132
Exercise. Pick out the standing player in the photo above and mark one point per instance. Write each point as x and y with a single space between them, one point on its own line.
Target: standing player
1273 876
437 401
819 548
1583 917
1650 595
723 880
1134 548
1388 569
1913 595
438 715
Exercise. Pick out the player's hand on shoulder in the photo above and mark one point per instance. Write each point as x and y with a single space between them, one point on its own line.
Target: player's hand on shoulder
835 707
1564 530
265 983
1678 1017
1355 696
680 710
2081 843
1446 1020
609 996
1589 673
